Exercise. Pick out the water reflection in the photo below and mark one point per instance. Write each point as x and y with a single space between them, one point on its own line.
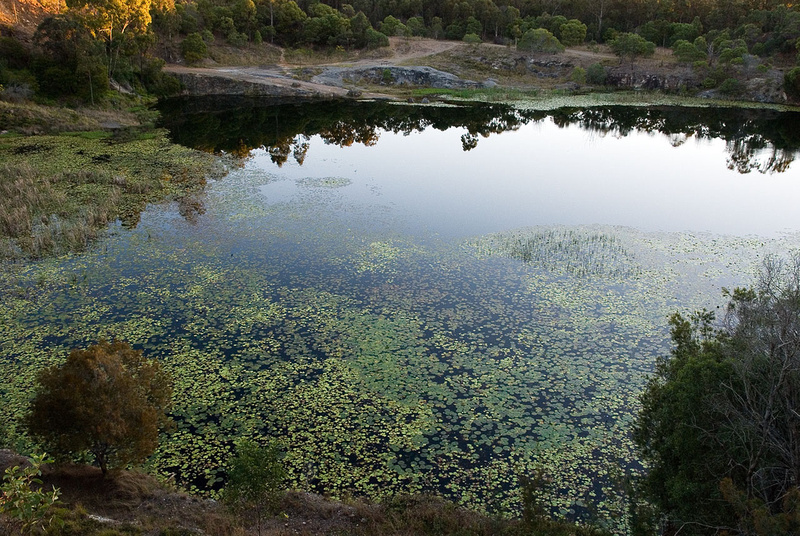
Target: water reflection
766 141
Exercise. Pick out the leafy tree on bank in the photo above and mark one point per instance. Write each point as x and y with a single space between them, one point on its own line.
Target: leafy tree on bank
719 424
573 33
629 46
540 40
255 479
107 400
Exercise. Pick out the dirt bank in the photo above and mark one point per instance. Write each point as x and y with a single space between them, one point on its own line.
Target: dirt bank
427 63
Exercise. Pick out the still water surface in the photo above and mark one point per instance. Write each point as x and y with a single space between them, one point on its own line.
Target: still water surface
426 299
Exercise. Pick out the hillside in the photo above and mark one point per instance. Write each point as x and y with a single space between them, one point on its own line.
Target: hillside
133 503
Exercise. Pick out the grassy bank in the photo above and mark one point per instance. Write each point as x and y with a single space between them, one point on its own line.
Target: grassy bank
83 170
130 503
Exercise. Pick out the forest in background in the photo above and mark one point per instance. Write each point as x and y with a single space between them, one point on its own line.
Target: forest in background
81 47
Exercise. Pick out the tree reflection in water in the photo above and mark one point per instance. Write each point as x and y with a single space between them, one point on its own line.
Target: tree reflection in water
762 140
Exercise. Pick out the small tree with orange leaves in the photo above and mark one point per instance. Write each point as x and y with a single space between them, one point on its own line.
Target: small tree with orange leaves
107 400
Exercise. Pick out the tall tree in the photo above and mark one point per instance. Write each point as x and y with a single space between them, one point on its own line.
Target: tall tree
111 19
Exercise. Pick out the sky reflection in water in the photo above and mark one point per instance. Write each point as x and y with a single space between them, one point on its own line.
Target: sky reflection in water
543 174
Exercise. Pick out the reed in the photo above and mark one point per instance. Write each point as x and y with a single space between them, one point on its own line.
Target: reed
37 219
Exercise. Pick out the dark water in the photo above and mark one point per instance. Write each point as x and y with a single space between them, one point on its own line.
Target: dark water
434 299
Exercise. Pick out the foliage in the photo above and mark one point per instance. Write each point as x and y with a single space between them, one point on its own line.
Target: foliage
24 502
106 399
631 46
193 48
391 26
731 87
376 39
578 75
573 33
596 74
718 423
791 83
472 39
687 52
540 40
255 479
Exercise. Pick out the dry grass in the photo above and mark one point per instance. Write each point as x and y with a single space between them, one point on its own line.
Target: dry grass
133 503
37 219
32 119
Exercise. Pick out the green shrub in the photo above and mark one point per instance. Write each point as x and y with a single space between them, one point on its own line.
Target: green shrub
454 32
255 479
791 83
472 39
596 74
24 501
686 52
237 39
573 33
376 39
392 26
193 48
540 40
578 75
731 86
416 25
630 46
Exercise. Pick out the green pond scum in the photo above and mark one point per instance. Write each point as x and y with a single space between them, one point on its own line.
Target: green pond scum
382 362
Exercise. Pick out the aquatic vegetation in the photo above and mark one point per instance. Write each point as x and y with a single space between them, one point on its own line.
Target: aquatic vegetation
380 365
382 361
57 193
575 251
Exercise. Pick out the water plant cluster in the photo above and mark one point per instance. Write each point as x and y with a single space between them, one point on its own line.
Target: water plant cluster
59 192
381 364
570 251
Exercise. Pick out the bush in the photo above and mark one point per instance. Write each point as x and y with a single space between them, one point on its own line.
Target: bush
596 74
193 48
392 26
255 479
454 32
416 25
686 52
107 400
24 501
631 46
715 397
573 33
376 39
540 40
472 39
578 75
791 83
731 86
237 39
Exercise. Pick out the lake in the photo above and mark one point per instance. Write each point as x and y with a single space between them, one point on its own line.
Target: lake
422 298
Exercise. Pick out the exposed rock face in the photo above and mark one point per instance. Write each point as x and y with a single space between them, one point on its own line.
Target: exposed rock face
394 76
246 83
651 81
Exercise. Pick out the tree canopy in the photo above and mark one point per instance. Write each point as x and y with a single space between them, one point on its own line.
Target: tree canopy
719 424
106 399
